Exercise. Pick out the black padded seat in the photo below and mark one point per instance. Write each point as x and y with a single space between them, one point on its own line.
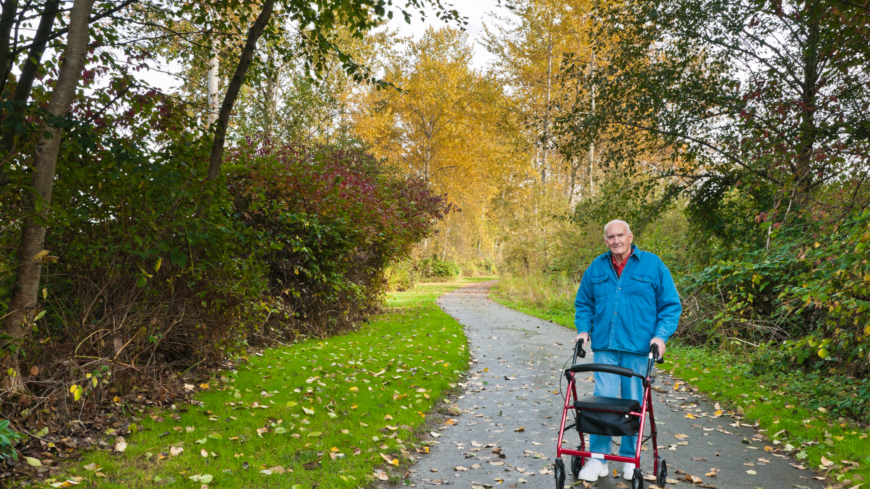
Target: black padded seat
608 404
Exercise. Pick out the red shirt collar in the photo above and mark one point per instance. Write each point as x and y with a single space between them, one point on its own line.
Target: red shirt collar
619 268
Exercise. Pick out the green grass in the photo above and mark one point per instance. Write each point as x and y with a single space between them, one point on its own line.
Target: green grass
792 427
549 297
333 410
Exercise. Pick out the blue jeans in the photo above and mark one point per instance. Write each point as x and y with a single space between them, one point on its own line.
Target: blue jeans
610 385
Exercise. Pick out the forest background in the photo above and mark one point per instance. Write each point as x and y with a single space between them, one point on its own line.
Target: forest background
310 157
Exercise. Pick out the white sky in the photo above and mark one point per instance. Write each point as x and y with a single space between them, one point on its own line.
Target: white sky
475 10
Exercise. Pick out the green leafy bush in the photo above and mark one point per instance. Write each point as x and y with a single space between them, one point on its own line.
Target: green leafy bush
329 223
834 288
434 268
804 301
743 298
8 437
401 276
153 270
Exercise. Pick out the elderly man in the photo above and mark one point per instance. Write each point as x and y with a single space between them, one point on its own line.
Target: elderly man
627 302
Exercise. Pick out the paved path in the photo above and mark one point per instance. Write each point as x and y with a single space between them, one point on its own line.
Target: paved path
514 383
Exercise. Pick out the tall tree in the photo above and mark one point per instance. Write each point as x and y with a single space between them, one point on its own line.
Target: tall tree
445 126
751 94
30 250
530 46
318 21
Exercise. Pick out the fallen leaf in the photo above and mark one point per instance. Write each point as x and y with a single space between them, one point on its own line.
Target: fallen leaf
120 445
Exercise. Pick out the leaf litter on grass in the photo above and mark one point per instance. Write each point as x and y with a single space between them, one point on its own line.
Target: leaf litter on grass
334 412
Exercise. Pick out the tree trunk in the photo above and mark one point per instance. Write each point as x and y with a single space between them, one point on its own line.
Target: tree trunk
213 84
29 263
271 103
446 235
546 136
7 20
807 138
28 75
254 33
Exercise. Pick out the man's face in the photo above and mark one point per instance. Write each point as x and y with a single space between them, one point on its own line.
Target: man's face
617 239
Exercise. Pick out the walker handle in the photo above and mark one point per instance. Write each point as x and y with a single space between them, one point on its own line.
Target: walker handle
578 351
654 349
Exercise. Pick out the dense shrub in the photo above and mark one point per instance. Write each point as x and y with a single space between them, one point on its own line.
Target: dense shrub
804 300
743 298
401 276
329 222
435 269
148 274
152 270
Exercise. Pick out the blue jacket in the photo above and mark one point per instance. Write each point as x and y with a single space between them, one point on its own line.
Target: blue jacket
624 313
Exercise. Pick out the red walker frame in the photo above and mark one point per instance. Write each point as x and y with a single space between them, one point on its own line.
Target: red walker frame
646 408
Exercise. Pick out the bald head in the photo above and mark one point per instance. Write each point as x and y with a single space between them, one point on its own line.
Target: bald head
614 223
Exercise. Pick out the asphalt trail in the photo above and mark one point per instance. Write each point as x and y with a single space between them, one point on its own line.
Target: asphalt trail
514 383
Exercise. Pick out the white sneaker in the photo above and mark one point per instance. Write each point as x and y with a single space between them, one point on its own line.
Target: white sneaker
628 471
592 470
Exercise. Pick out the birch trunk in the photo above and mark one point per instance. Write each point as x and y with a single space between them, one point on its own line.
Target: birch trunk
213 83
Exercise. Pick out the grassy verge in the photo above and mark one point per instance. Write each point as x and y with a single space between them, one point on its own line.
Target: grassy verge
837 447
789 406
329 413
546 297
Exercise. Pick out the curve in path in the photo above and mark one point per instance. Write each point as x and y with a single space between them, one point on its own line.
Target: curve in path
514 383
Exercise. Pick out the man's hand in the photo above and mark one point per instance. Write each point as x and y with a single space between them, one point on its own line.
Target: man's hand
661 344
584 337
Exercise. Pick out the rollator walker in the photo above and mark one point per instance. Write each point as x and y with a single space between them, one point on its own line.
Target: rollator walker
609 416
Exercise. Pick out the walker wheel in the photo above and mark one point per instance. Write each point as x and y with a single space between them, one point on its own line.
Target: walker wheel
576 465
559 472
662 476
637 480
